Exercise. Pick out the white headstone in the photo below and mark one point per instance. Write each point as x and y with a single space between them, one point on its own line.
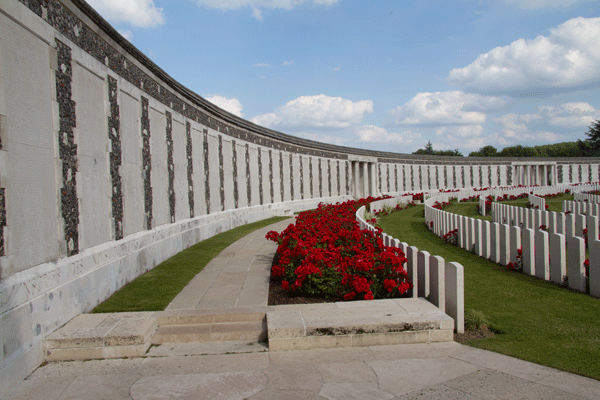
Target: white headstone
455 289
528 251
594 268
423 265
576 258
437 284
412 268
542 264
558 258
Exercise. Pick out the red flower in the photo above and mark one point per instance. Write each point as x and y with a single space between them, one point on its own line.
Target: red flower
389 285
285 285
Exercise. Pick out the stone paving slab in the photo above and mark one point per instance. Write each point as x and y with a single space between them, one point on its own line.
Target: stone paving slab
415 371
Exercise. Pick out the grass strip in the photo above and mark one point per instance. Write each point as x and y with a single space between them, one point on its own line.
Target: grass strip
535 320
469 208
154 290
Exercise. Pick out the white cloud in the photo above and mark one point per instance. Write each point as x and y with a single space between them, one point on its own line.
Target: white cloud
568 57
232 105
443 108
126 34
316 111
515 130
288 63
461 131
257 5
570 115
257 13
261 65
140 13
535 4
338 68
376 134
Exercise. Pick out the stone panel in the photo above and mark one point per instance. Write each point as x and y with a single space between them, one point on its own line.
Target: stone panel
133 186
159 177
214 180
93 178
199 175
242 182
180 164
32 212
254 179
228 174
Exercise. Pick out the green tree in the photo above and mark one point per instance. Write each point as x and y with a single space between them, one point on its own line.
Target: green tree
428 149
593 139
486 151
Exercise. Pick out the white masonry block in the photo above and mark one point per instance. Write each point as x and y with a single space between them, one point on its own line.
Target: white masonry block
455 289
594 269
528 251
423 266
412 268
576 258
558 258
437 284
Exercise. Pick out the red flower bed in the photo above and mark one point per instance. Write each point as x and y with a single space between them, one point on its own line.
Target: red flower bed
326 254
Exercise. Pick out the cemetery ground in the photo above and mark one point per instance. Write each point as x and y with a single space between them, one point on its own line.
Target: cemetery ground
534 320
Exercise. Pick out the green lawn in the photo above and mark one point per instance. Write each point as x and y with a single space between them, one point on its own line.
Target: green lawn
470 208
536 321
154 290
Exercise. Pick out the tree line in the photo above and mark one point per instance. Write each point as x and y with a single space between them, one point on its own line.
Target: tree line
589 147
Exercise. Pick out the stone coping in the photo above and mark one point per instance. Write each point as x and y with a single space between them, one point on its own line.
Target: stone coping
301 326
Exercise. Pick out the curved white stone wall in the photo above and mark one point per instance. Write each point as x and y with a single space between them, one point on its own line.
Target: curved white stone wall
108 167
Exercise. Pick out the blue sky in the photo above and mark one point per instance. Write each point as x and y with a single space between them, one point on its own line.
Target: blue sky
383 75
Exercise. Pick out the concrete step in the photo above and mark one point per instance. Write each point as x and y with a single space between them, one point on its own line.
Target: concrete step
358 323
209 332
99 336
207 348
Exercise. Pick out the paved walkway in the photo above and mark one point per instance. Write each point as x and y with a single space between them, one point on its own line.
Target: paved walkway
238 370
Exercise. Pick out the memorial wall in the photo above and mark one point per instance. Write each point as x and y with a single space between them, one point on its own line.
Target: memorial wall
108 167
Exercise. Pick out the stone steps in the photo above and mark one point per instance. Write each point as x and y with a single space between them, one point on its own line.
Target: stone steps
218 332
100 336
358 323
287 327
